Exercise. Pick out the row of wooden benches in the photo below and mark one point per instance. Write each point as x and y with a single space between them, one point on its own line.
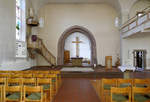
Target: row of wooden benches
24 94
123 90
33 71
49 80
32 74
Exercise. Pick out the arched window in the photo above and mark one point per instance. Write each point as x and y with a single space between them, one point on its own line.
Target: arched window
21 49
20 20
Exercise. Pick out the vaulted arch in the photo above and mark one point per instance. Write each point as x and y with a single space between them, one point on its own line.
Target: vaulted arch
61 43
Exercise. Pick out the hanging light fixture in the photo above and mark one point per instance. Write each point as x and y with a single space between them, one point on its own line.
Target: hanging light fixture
41 22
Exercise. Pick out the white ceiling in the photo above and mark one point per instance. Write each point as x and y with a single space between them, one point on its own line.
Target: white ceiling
114 3
76 1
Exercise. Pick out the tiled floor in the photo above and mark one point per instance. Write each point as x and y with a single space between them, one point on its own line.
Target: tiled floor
76 90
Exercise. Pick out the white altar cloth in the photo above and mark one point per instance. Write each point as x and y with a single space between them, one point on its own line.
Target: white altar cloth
124 68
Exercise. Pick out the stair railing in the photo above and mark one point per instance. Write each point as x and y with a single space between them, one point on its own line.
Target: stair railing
39 45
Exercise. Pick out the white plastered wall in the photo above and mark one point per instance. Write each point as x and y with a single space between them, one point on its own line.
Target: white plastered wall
7 26
139 41
97 18
138 6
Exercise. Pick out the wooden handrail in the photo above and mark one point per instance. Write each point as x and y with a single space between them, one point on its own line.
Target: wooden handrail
45 47
129 22
38 44
127 26
135 18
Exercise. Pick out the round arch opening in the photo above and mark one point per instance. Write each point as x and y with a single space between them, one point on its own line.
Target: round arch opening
66 34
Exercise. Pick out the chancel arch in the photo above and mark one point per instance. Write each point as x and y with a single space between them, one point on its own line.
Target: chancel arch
80 31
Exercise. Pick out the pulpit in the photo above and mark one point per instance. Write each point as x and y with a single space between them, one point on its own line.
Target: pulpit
108 62
77 61
66 56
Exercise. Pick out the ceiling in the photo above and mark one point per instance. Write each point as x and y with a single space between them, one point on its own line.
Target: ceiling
113 3
77 1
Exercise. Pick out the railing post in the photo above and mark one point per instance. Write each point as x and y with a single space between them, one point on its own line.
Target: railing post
137 21
148 17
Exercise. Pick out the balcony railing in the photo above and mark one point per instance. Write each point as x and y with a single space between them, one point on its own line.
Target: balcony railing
136 21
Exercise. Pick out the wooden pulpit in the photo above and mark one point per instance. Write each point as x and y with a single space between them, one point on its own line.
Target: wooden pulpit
108 62
66 56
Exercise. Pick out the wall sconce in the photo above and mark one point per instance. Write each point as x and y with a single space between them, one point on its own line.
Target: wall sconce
31 13
41 22
117 22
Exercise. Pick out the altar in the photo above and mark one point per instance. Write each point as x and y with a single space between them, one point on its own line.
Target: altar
77 61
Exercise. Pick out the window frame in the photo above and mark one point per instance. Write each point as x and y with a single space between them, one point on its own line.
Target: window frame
22 8
21 40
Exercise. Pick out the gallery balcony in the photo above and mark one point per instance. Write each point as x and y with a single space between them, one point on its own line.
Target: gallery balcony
139 24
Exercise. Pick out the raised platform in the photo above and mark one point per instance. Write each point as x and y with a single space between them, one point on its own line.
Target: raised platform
77 69
99 72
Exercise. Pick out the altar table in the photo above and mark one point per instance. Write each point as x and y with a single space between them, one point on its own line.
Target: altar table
77 61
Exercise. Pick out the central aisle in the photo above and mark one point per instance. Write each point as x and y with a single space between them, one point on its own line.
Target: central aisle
76 90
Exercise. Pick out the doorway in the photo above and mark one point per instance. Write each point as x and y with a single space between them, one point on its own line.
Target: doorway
139 58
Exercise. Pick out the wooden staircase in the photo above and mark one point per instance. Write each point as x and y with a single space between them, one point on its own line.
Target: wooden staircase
39 47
